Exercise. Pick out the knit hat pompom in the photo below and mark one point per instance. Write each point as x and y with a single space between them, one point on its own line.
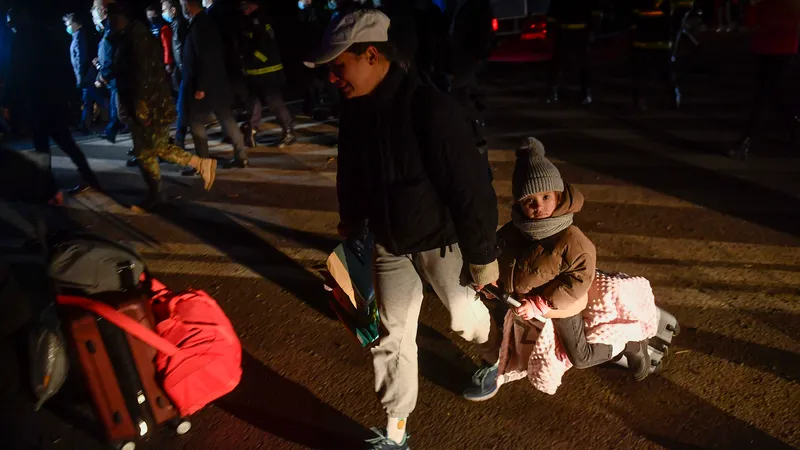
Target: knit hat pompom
533 173
532 147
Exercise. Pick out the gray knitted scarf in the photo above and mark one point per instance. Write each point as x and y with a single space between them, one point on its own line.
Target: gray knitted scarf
538 229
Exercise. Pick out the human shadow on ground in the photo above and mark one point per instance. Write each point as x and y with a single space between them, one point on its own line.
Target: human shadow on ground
218 230
781 363
441 361
662 410
288 410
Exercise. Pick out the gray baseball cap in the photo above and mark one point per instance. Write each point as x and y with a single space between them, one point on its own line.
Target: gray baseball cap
366 25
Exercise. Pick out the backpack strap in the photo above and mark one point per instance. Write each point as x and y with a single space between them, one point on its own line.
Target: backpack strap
121 320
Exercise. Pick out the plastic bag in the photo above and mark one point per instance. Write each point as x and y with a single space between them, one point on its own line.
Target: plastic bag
48 356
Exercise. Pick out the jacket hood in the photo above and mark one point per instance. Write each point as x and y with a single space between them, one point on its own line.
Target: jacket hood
571 201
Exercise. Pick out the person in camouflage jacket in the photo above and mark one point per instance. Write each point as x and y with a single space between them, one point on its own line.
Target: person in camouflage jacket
146 104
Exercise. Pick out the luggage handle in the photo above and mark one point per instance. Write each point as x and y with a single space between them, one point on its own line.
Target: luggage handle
119 319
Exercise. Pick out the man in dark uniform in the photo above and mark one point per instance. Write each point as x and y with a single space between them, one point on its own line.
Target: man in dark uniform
38 90
146 104
572 26
651 50
205 89
261 62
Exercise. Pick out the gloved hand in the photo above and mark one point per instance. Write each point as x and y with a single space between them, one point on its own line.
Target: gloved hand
483 274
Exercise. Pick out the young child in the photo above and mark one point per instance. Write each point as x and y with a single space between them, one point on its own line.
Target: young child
548 264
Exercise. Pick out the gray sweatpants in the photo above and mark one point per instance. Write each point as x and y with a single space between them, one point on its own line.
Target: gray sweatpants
398 288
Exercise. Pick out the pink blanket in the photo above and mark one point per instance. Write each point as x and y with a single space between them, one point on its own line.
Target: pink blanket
620 309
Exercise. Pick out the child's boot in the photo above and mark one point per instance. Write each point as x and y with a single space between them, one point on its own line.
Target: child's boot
485 384
638 359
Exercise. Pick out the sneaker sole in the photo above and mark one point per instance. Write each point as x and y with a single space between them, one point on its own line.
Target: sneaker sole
482 398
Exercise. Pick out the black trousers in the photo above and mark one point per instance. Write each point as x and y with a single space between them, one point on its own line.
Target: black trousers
581 354
571 45
770 70
649 63
45 129
260 93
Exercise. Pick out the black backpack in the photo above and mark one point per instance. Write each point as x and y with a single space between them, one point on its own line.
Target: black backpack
91 264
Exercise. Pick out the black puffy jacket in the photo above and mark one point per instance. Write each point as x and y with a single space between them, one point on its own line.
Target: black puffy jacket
408 164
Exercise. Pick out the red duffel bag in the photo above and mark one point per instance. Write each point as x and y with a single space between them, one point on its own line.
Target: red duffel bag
199 355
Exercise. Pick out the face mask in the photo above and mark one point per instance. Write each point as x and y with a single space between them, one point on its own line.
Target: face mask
99 28
332 5
167 17
70 30
301 4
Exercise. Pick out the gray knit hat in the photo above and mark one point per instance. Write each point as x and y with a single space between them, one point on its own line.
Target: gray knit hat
533 173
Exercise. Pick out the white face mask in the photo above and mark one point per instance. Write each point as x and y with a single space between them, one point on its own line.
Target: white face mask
207 3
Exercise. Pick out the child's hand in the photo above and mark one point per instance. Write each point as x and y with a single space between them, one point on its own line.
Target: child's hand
531 308
526 311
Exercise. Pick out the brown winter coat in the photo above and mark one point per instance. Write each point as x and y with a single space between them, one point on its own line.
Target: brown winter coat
560 268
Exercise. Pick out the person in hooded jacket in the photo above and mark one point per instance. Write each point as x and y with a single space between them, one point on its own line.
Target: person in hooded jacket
548 264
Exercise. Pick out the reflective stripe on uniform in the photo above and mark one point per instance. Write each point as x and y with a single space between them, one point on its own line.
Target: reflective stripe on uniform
660 45
264 70
653 13
573 26
261 57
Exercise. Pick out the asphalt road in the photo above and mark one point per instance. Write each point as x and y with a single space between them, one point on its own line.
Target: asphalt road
718 239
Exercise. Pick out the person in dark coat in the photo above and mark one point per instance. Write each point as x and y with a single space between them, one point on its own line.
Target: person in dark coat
146 104
81 54
105 56
264 74
224 14
38 90
205 88
572 24
652 50
171 12
409 173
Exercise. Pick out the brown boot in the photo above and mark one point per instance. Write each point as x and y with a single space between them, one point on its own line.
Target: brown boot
207 168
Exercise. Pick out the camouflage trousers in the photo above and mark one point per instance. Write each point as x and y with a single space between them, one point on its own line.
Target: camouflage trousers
151 143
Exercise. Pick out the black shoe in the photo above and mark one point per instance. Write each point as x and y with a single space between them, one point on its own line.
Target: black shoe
288 139
638 359
741 151
553 97
587 98
189 172
79 189
133 162
130 152
109 137
236 163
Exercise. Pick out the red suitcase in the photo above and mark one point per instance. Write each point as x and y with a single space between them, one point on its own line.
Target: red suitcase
120 372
